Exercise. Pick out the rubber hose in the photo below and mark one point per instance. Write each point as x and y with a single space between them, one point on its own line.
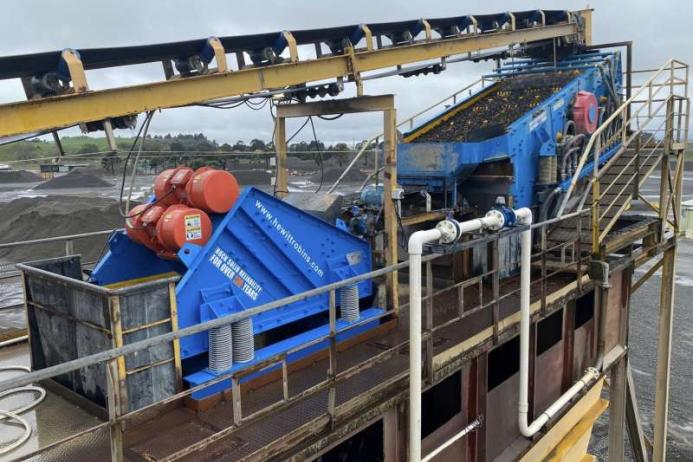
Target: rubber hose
14 413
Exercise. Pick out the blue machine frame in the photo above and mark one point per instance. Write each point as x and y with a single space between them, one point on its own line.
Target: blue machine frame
262 250
439 167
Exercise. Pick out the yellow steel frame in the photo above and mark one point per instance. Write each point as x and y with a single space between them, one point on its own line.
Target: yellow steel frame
363 104
67 110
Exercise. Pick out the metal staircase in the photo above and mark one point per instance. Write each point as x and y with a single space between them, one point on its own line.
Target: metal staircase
649 132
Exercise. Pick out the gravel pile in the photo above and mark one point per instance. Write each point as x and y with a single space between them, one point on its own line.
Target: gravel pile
490 115
332 173
19 176
77 178
40 217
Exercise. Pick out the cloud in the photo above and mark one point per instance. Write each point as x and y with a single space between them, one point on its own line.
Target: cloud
659 30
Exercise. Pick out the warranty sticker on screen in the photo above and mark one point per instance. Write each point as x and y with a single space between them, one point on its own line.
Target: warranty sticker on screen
193 227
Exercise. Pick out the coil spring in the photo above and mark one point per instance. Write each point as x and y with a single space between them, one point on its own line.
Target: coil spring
349 303
243 341
220 349
548 166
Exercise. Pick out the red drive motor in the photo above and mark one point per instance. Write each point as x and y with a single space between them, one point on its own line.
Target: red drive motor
585 113
183 198
141 224
180 225
212 190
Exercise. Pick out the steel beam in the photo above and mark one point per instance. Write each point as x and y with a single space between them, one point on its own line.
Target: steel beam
68 110
617 411
633 423
281 187
663 375
389 210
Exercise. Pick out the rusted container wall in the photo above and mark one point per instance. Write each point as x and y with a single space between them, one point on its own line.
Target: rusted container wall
457 451
67 322
584 334
615 311
508 256
502 396
69 319
548 364
151 373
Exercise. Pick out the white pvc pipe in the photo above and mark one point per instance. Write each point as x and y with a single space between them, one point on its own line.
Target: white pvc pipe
416 242
492 220
524 216
464 432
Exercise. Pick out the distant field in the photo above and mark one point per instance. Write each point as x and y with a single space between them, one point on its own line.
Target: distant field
37 148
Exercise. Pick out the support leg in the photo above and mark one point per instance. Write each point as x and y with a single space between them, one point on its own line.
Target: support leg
617 411
389 209
281 180
666 315
633 423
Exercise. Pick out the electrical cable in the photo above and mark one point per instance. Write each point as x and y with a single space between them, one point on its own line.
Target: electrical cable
317 147
125 168
14 413
330 118
298 131
147 122
405 237
222 106
274 138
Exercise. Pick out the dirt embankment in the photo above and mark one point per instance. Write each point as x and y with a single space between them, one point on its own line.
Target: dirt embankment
78 178
40 217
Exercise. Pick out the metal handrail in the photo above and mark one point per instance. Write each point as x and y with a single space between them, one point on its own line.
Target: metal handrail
410 121
96 358
68 237
330 382
670 66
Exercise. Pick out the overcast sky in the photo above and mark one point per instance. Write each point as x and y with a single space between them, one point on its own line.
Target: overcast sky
660 29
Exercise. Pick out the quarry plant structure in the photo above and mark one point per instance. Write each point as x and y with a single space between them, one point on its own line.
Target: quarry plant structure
467 297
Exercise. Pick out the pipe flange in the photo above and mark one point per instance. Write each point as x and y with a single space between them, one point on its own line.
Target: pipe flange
497 220
449 231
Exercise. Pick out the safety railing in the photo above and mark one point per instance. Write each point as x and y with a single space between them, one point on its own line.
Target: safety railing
626 125
9 270
334 376
637 138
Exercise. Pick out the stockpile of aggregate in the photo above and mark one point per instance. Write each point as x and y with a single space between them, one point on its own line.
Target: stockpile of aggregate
491 114
41 217
19 176
77 178
301 165
252 177
330 174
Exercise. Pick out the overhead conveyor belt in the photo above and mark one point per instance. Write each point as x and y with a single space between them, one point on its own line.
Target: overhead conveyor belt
98 58
453 36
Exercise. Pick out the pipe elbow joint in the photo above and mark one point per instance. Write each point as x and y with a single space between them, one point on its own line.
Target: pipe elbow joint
419 238
524 216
